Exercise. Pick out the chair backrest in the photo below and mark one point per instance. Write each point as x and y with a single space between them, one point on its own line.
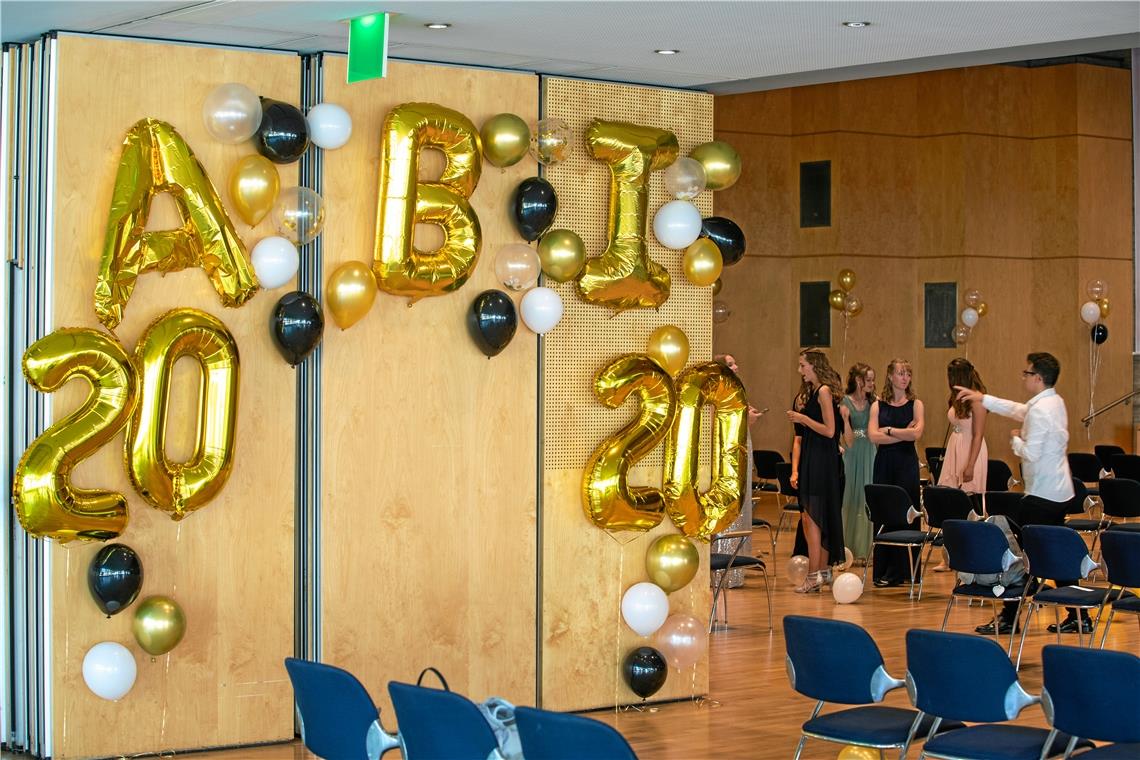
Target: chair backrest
1084 466
764 463
944 503
974 547
835 661
998 475
438 723
335 709
784 475
1120 497
1120 550
888 505
1126 466
1080 495
934 458
1092 693
1003 502
964 677
549 735
1055 552
1105 452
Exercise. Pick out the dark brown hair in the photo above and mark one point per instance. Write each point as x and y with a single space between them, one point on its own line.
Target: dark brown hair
962 372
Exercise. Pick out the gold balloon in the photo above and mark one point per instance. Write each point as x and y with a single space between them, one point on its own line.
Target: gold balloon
1104 305
695 514
721 163
159 624
624 277
608 499
837 299
702 262
254 184
982 309
562 255
400 268
671 562
669 347
46 502
846 280
852 752
506 139
349 294
156 160
182 487
718 285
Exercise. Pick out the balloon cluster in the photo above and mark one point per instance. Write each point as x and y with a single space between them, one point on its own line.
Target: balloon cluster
506 139
1095 309
842 299
972 313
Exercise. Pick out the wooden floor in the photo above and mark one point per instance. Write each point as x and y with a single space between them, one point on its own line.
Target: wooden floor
754 713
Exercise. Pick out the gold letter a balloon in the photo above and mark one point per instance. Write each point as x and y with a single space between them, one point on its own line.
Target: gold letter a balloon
349 294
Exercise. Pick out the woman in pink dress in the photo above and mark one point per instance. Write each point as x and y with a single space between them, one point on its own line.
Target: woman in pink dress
967 457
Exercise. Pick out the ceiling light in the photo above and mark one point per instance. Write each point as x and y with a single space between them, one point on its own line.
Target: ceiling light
856 24
667 51
438 25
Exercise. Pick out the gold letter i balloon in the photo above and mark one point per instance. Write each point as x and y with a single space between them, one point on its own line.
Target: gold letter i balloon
176 487
400 268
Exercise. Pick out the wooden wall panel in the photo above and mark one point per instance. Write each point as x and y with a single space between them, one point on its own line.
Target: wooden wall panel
430 449
230 563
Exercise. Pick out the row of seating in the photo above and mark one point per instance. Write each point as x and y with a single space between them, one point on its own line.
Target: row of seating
954 679
339 721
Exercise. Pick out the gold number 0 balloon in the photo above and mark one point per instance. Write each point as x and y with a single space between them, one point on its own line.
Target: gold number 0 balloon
400 268
702 515
180 488
610 502
624 277
46 502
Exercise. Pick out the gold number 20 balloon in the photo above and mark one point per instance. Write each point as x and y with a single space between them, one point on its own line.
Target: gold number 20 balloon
400 268
610 502
624 277
46 502
180 488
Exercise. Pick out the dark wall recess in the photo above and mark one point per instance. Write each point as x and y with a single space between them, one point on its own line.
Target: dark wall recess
815 194
815 314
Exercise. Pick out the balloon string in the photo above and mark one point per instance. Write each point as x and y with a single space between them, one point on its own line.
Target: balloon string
846 322
66 638
617 637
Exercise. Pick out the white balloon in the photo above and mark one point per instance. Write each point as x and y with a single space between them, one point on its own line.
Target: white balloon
541 308
232 113
677 224
330 126
109 670
644 608
1090 312
275 261
797 569
847 588
970 316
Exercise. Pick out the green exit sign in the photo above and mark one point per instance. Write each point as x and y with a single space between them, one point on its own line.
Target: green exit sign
368 47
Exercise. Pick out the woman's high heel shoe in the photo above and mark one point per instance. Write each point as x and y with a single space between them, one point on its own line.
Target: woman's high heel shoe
811 584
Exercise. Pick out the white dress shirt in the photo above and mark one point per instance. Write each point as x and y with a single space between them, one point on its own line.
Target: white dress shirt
1042 444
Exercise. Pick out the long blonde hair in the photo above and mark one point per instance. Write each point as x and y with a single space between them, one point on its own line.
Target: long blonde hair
888 393
824 373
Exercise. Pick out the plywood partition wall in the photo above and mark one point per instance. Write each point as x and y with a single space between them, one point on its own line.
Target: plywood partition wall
429 448
230 563
585 571
1015 181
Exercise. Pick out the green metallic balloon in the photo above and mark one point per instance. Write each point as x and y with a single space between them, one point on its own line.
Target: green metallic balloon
159 625
721 162
506 139
562 255
672 561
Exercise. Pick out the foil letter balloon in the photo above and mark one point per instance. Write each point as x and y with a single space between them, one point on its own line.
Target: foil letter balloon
46 502
624 277
610 502
182 487
400 268
695 514
156 160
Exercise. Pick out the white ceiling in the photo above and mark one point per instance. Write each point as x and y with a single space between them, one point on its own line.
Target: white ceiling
725 46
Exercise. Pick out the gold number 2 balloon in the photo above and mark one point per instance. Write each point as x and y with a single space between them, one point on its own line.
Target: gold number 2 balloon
610 502
695 514
180 488
46 502
624 277
400 268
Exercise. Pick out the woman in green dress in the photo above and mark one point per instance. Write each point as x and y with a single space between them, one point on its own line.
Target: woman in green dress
858 458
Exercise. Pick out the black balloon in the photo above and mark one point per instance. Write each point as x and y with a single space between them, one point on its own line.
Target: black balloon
533 207
297 325
729 238
115 576
492 320
644 671
1099 333
283 136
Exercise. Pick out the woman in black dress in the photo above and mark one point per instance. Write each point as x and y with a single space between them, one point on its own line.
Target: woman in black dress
897 421
816 465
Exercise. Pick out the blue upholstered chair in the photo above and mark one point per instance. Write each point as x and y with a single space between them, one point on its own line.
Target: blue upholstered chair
435 723
1094 695
942 503
721 562
998 476
764 464
890 507
1126 466
1105 452
835 661
980 548
1121 553
962 677
549 735
338 719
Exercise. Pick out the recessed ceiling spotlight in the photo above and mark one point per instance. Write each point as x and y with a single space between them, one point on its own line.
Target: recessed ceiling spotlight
667 51
438 25
856 24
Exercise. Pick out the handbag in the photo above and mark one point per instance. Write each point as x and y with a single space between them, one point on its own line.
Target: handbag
500 716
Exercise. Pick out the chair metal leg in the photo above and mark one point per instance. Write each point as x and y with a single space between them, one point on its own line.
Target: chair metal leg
716 596
910 735
800 748
1107 625
946 615
768 592
1013 633
1057 621
1024 631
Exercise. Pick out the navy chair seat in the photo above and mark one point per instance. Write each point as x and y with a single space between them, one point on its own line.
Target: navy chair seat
1113 752
557 736
718 561
983 591
913 537
1086 525
1070 596
1129 604
1127 527
760 522
766 487
998 742
872 726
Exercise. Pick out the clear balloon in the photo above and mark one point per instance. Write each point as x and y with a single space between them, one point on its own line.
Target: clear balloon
960 334
846 588
254 185
970 316
682 640
852 305
232 113
275 261
702 262
677 224
550 141
973 298
299 215
671 562
517 266
1090 312
1097 289
669 346
797 569
541 309
109 670
720 312
506 139
330 126
685 179
644 608
562 255
349 293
